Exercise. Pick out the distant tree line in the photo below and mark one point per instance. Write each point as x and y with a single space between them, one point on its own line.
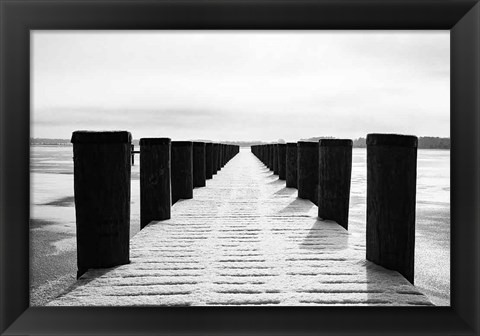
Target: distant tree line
433 143
51 142
423 143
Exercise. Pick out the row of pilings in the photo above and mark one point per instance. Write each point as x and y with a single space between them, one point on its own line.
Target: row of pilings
169 171
321 171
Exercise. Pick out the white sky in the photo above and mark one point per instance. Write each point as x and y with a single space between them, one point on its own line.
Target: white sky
239 85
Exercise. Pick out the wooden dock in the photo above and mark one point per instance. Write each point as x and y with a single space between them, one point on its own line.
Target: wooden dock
244 239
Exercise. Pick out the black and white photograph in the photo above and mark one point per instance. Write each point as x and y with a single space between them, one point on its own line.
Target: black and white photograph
240 168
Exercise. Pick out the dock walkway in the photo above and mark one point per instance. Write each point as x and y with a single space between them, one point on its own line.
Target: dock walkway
244 239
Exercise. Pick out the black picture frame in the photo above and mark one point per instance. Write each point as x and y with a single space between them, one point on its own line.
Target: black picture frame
18 17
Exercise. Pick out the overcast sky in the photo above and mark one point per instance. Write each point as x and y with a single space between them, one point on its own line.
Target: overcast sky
237 85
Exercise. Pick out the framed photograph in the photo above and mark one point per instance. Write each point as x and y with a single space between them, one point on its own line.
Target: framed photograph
68 65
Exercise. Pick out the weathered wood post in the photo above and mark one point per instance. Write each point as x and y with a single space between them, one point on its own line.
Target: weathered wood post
208 160
275 159
291 165
220 157
222 161
214 158
391 196
224 155
182 170
256 151
334 176
271 155
264 154
282 160
133 154
307 170
199 175
155 198
102 169
267 157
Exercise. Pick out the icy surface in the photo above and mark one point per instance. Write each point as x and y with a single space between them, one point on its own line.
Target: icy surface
244 239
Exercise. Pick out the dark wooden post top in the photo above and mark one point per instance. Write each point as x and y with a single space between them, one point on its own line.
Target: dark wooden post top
182 143
154 141
307 144
397 140
335 142
79 137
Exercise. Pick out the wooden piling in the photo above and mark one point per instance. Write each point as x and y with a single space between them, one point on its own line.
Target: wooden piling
102 170
391 196
155 198
291 165
182 170
307 170
214 158
269 156
334 176
132 150
275 159
220 157
266 151
224 155
263 153
282 161
272 154
199 167
208 160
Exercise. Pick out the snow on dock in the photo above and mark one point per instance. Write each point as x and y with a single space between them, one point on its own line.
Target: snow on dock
244 239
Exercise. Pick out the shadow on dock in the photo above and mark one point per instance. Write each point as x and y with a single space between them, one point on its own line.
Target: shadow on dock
326 235
298 206
286 192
